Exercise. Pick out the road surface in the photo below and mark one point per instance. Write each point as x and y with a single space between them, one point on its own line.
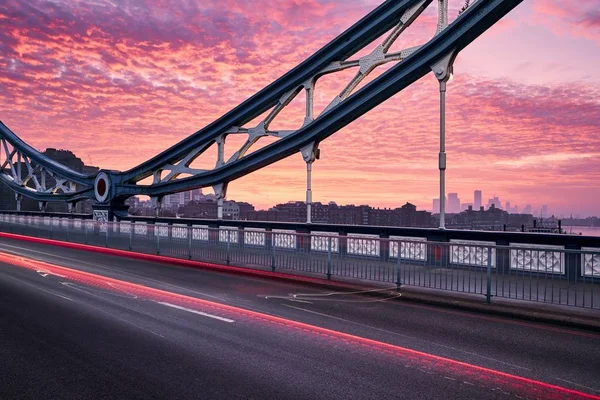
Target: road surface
79 325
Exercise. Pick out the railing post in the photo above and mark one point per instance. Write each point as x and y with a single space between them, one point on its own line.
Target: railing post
272 251
503 255
228 245
328 257
67 235
384 247
488 293
189 236
343 245
106 236
85 229
398 279
157 234
572 263
131 226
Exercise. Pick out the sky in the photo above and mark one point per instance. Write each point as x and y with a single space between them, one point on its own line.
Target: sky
117 82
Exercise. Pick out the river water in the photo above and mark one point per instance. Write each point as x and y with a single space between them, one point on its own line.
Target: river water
584 230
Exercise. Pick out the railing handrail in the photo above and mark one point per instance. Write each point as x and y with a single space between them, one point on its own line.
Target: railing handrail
432 234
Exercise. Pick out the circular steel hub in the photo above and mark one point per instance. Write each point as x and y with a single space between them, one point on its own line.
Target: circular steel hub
102 187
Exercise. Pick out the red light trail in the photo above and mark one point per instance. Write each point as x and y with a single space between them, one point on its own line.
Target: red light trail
490 378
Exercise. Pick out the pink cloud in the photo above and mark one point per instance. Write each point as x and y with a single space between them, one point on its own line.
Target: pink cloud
119 84
581 18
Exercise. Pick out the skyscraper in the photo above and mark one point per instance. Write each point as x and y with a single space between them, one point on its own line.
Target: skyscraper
495 201
436 206
453 203
477 202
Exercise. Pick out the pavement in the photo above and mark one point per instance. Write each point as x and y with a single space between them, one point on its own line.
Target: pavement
84 325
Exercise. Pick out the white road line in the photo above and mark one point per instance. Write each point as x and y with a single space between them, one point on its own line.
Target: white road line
39 288
112 315
300 301
3 245
195 312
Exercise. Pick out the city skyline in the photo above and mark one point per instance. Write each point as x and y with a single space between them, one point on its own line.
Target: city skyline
455 204
116 79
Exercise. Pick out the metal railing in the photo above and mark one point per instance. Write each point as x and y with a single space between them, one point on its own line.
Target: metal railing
530 272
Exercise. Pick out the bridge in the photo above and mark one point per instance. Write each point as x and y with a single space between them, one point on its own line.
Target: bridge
433 306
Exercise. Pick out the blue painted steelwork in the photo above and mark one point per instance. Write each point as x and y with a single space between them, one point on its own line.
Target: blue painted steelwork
467 27
41 164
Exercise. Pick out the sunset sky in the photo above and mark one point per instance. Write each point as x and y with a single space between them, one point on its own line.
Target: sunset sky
116 82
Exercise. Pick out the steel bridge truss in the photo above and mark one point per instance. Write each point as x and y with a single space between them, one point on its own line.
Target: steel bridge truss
26 171
30 173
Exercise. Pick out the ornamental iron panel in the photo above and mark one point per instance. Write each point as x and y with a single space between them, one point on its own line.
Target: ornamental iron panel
179 231
537 258
590 262
363 244
228 234
200 232
255 236
410 248
324 241
161 229
284 239
473 253
140 228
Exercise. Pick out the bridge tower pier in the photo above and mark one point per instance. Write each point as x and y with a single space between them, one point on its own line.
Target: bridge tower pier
18 198
157 205
109 212
220 193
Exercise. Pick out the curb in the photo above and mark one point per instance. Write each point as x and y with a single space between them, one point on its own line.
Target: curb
441 301
503 311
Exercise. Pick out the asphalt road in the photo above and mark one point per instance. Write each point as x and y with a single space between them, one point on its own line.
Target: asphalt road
128 329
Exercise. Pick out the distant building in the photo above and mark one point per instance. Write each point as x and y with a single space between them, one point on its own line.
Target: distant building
491 219
245 209
198 209
436 206
465 206
477 200
495 202
331 213
453 203
231 210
